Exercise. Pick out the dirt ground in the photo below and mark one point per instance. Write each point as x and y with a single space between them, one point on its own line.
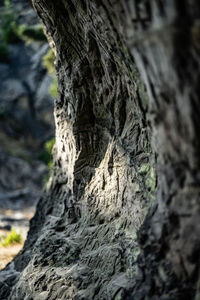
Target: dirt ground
8 253
20 221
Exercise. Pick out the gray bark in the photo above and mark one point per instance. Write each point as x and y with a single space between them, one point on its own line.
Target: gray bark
120 217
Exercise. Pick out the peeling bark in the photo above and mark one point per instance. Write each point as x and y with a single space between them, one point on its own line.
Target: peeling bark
120 217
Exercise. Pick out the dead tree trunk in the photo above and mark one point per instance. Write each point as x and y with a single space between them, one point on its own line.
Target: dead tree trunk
120 219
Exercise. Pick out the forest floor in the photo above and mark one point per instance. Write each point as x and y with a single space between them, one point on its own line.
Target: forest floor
21 225
8 253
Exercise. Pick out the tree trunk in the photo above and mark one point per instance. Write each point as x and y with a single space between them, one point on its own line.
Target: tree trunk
120 218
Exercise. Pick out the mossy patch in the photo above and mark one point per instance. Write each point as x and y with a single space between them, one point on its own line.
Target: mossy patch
144 169
151 181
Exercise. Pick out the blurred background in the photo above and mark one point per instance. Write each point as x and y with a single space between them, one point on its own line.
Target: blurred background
27 91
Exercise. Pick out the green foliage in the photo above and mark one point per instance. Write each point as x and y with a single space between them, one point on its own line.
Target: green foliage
49 145
48 61
9 25
31 34
53 90
12 238
7 3
12 32
45 155
4 53
47 176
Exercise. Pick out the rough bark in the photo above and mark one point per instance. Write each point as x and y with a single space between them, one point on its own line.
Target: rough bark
103 230
166 46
